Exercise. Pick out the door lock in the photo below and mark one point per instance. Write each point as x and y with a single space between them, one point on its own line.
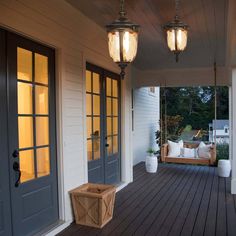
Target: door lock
15 154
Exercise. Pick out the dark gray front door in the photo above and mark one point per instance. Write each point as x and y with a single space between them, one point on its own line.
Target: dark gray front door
103 125
30 162
112 124
5 210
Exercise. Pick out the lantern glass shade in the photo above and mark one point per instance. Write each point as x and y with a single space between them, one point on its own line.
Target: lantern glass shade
122 45
177 39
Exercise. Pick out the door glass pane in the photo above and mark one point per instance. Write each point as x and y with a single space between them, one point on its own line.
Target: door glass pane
88 104
108 106
96 127
115 144
108 86
41 69
115 125
96 148
25 131
24 64
114 88
96 83
89 127
88 81
96 105
24 93
41 100
26 165
43 161
109 126
89 150
115 107
109 148
42 135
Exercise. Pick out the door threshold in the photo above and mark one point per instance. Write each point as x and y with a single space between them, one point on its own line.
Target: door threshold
54 229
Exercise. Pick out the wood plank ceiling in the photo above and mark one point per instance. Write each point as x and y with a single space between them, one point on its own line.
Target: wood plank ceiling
207 36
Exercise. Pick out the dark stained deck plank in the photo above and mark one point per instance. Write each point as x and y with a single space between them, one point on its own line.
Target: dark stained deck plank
193 211
148 227
210 224
146 195
178 200
175 201
180 220
148 206
136 188
199 226
221 224
172 215
231 212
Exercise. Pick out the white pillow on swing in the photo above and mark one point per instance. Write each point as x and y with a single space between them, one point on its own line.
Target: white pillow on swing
175 148
204 151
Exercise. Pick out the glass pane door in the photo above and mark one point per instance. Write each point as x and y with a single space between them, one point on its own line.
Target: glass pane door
112 115
32 135
93 115
33 114
103 125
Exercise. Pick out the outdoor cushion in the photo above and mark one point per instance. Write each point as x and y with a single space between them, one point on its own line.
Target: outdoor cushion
175 148
189 152
204 151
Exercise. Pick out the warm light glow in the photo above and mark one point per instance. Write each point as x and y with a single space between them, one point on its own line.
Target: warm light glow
114 46
181 42
130 43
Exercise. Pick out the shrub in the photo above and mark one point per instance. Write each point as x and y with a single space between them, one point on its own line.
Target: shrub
222 151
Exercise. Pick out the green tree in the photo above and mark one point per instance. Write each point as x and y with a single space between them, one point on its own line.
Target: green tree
195 104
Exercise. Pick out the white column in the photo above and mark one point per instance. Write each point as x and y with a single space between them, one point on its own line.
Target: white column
126 130
233 132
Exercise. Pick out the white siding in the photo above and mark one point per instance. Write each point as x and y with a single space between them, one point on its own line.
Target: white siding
76 40
146 122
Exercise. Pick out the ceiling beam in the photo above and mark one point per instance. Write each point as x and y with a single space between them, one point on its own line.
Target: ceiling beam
181 77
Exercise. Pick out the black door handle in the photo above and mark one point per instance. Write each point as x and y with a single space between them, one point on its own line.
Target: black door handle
16 168
106 145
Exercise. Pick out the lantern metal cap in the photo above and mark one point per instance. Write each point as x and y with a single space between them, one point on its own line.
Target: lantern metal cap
175 24
122 22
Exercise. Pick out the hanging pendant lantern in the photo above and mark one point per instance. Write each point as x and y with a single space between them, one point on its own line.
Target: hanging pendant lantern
122 40
177 34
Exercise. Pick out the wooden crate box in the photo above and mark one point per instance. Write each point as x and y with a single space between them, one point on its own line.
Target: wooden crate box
93 204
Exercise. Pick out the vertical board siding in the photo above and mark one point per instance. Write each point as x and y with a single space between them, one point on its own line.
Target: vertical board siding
75 37
146 118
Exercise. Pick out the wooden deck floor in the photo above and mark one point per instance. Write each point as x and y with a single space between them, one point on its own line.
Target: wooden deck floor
178 200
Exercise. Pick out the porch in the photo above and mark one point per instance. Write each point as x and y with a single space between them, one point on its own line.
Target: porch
178 200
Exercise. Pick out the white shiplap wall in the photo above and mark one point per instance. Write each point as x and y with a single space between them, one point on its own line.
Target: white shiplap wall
76 40
146 122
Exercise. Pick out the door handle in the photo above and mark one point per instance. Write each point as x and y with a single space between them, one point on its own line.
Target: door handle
106 145
16 168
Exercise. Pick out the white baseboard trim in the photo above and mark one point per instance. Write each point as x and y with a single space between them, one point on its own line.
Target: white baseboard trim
121 186
233 186
58 228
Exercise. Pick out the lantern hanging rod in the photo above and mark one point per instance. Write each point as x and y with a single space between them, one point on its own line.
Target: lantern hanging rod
122 8
177 3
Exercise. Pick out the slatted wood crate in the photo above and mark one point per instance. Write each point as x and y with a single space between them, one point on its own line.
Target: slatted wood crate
93 204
